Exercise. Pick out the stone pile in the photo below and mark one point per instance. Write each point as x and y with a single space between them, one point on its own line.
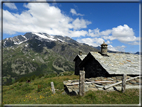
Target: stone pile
98 83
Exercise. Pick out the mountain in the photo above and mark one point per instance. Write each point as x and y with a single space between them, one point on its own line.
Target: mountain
139 53
39 53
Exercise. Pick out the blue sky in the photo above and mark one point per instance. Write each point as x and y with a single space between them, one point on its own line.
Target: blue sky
92 23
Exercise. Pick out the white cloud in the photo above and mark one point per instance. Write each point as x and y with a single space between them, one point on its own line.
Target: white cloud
110 47
96 32
10 5
80 23
106 32
98 41
42 17
91 41
120 48
77 33
107 42
123 33
75 13
93 33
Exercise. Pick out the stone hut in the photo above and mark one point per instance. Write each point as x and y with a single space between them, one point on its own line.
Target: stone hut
107 64
78 59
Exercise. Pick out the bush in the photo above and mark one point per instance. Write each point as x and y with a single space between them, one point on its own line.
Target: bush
41 75
27 88
51 75
33 77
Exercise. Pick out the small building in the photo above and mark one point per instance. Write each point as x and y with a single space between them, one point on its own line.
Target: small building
107 64
78 59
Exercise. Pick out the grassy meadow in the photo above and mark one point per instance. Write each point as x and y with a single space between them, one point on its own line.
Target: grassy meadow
38 91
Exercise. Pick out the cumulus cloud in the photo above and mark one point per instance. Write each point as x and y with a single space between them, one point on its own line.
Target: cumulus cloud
110 47
80 23
98 41
10 5
117 48
75 13
93 33
42 17
91 41
77 33
123 33
121 48
96 32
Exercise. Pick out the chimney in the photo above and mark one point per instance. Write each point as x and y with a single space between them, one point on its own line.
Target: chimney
80 53
104 49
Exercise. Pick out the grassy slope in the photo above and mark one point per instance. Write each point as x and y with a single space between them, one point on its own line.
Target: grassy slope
29 93
22 61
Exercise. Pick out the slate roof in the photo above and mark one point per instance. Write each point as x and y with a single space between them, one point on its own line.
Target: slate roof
80 56
119 63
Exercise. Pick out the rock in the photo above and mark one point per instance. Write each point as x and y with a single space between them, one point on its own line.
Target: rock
93 89
75 87
128 77
77 92
133 82
91 85
119 77
70 90
100 88
69 80
86 86
114 78
64 93
86 89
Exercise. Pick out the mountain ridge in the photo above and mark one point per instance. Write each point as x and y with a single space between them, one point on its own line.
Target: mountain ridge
35 54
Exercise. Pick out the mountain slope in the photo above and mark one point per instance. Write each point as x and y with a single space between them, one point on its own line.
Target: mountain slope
39 53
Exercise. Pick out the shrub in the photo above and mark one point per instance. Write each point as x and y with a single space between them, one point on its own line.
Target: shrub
41 75
27 88
33 77
51 75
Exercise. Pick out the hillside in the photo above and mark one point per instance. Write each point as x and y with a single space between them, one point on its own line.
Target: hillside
39 53
38 91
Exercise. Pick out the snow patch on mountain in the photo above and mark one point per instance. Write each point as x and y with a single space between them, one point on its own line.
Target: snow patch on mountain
60 40
26 45
24 37
45 37
4 43
37 35
19 42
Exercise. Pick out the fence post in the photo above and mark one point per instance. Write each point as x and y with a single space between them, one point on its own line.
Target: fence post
52 88
124 82
81 83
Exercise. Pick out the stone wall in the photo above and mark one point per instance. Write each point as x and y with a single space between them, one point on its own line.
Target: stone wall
74 89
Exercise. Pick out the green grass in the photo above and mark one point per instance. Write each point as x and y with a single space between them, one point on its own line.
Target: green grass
39 92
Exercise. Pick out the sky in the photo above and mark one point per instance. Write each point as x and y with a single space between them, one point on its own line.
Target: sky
92 23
